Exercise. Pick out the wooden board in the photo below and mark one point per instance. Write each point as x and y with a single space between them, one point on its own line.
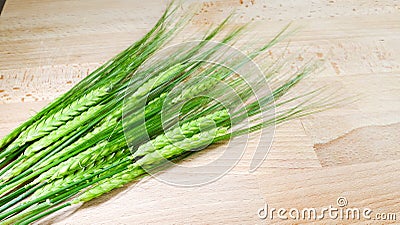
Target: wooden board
353 151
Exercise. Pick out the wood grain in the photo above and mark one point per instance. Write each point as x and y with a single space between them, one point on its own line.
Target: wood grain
352 151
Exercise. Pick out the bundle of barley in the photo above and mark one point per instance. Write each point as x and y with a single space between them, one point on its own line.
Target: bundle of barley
137 112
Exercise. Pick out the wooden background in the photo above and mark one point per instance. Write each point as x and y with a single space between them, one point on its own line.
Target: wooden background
353 151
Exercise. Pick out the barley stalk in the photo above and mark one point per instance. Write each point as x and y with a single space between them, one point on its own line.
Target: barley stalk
78 175
155 158
31 157
106 123
192 92
62 131
58 119
205 83
90 156
109 122
179 133
155 82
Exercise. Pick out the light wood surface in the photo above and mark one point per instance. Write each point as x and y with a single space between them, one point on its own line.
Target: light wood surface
353 151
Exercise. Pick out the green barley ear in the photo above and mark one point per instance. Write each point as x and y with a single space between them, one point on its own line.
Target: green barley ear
177 134
85 159
76 176
105 186
44 127
135 170
155 82
33 153
95 134
157 158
